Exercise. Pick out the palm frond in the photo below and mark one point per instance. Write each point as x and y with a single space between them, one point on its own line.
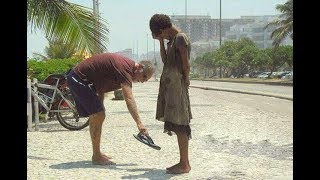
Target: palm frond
281 33
275 22
283 24
70 23
286 7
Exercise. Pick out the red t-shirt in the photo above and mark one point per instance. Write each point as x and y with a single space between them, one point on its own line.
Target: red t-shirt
106 71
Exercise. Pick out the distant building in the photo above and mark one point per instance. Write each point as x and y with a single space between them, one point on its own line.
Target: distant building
127 53
204 28
198 48
256 32
204 32
153 56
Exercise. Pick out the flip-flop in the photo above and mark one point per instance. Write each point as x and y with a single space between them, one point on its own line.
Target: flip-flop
145 139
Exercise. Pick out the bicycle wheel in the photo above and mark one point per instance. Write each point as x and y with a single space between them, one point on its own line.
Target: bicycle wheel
70 119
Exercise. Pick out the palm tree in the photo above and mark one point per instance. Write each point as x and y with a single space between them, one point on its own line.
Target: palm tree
69 23
283 24
56 50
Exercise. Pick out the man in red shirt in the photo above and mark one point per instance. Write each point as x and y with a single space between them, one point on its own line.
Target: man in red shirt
101 73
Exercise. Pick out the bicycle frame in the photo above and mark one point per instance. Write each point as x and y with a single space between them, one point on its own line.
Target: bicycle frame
56 92
56 100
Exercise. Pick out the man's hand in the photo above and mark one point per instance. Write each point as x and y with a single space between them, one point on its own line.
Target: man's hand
142 129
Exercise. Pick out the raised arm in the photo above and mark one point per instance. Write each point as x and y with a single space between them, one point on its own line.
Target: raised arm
132 107
163 53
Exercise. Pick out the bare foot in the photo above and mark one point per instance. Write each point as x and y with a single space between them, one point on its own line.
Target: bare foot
179 169
108 157
102 160
169 168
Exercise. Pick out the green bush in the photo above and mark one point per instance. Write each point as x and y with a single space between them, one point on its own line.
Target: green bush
192 76
42 69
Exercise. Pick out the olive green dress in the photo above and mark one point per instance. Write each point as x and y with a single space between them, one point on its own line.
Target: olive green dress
173 105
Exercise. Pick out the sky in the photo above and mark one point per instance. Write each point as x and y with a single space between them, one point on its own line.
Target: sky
128 20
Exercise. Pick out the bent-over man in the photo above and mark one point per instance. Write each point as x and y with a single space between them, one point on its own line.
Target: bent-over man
101 73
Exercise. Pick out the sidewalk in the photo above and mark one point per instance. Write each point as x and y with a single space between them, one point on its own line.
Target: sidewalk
229 141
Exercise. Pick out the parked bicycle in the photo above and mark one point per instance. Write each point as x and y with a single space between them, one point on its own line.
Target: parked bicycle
57 100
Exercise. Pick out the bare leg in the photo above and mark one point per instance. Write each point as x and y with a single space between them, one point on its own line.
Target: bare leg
95 126
183 166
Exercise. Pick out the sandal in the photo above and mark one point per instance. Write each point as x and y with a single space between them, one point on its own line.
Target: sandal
145 139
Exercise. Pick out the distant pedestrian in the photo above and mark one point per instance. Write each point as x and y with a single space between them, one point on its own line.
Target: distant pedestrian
173 105
101 73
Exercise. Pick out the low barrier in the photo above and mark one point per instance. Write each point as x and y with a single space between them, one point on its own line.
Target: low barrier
32 102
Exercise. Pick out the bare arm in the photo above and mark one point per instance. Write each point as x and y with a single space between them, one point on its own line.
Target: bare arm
185 63
163 53
132 107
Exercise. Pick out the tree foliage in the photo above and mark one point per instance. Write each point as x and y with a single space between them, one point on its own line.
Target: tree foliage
42 69
57 50
279 56
244 57
283 24
69 23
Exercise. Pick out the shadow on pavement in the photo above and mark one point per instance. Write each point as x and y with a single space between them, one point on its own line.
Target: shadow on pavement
126 112
55 130
150 173
39 158
199 105
87 164
54 126
51 126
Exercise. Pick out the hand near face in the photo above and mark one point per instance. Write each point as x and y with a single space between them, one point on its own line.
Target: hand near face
157 37
154 36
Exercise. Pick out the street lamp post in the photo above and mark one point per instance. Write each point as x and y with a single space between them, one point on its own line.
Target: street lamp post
220 39
185 16
97 15
138 51
220 23
147 47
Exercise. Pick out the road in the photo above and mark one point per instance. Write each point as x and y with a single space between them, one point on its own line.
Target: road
234 136
265 88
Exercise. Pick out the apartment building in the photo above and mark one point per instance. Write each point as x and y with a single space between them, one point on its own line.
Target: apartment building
256 31
204 28
126 52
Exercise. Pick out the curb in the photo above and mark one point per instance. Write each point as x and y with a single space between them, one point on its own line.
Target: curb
285 83
244 92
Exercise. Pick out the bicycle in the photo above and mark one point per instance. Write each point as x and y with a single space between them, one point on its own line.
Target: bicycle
59 101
